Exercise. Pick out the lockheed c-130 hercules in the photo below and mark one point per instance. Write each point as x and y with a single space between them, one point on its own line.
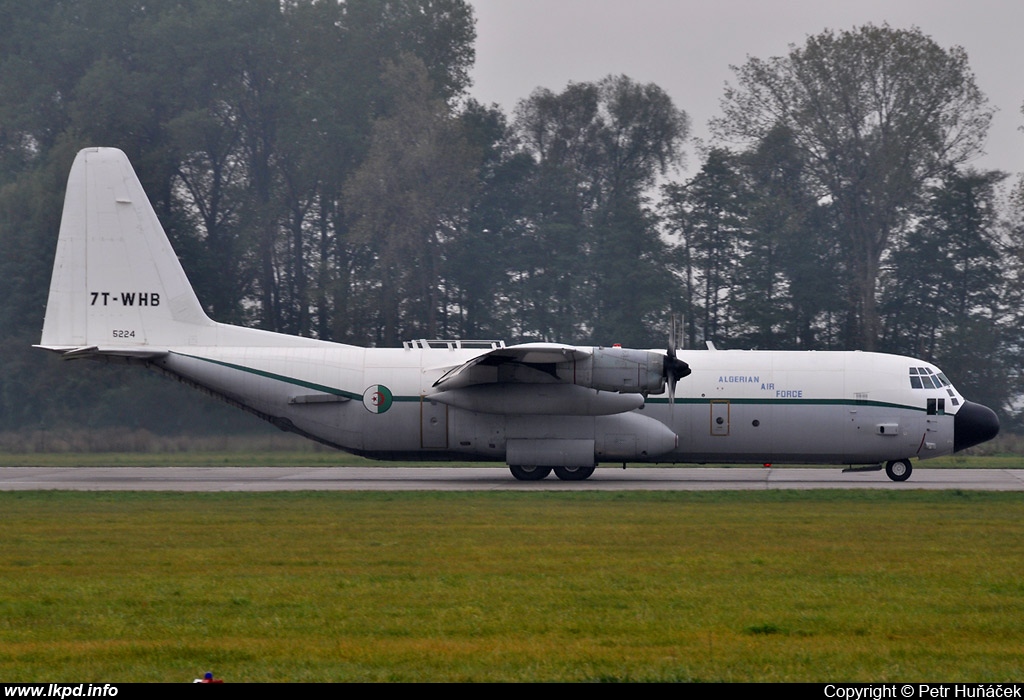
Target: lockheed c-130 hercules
119 294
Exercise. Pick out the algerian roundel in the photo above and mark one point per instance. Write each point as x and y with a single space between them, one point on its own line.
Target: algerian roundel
377 398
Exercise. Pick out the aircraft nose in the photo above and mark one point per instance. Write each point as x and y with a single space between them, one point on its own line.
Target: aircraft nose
973 425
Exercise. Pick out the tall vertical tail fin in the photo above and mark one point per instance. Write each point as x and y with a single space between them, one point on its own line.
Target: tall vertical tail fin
116 281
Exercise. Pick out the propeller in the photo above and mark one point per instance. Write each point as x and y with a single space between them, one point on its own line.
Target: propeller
675 369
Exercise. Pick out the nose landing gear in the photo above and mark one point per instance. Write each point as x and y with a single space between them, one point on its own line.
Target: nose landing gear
899 469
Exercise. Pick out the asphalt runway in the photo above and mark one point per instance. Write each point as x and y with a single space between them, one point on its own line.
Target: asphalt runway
386 478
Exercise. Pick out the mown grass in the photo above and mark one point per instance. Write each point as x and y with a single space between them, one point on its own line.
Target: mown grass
334 586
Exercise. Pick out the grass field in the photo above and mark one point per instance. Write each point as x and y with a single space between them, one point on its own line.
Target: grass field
768 586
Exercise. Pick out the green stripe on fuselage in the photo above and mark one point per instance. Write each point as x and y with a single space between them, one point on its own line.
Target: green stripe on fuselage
790 402
283 378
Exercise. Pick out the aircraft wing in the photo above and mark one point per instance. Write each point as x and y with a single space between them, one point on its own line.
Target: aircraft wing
552 379
526 363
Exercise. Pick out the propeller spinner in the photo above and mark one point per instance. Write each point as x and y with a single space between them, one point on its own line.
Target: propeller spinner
675 369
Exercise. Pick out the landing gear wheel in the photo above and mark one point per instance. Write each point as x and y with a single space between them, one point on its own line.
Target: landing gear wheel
528 473
899 470
573 473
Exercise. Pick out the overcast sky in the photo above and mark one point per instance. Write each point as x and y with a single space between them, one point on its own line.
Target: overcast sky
687 46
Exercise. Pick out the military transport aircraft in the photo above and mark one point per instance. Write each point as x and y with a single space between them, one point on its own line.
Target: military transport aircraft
119 294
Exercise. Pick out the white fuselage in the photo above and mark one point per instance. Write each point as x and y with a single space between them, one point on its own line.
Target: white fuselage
736 406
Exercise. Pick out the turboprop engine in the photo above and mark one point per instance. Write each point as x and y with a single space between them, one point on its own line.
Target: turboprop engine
624 370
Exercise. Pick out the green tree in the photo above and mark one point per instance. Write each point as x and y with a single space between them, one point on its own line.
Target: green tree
877 113
405 199
641 140
481 269
243 120
595 265
707 213
788 267
1013 299
944 292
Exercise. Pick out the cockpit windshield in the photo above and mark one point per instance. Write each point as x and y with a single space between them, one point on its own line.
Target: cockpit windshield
928 378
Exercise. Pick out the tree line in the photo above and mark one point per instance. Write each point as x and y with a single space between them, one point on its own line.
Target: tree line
322 170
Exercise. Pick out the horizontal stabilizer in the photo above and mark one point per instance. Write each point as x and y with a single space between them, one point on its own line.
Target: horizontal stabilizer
74 353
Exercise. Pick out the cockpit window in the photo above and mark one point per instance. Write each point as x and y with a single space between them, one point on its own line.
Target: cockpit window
925 378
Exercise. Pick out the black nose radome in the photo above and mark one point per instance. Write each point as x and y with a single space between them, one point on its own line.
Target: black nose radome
973 425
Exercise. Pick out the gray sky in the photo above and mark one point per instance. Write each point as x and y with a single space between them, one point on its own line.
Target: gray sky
687 46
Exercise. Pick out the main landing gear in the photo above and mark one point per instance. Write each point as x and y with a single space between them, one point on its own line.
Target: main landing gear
534 473
573 473
899 469
529 473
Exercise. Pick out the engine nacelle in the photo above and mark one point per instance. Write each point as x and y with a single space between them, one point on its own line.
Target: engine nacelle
539 400
617 369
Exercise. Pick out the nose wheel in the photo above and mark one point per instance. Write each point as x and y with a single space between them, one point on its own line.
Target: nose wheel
899 469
